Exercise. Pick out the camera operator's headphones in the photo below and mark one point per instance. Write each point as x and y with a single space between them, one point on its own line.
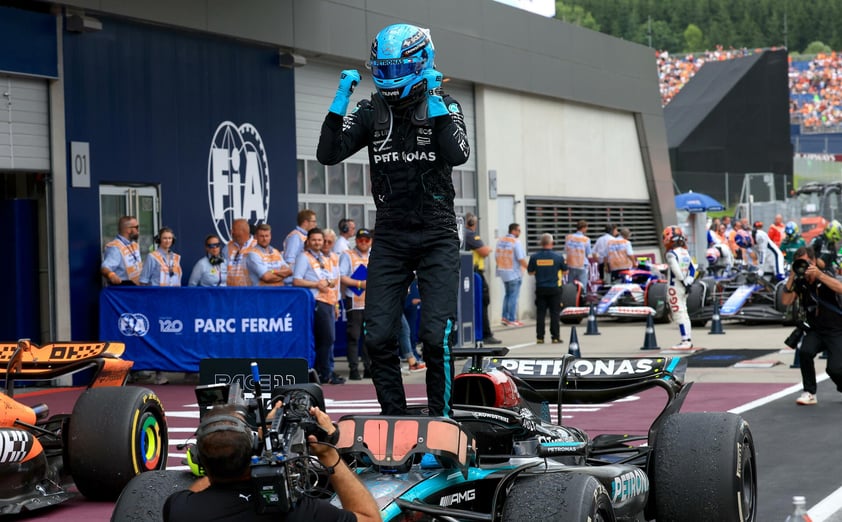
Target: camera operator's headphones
343 226
157 237
215 423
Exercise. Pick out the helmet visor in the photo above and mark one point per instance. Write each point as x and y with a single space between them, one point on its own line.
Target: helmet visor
393 69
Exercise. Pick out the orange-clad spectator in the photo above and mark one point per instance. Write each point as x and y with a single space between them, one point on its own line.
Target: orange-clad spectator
776 230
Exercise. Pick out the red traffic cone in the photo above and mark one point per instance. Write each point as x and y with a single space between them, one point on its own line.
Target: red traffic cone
573 347
649 341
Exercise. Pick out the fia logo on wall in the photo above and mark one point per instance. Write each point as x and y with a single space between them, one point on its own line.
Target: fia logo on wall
238 177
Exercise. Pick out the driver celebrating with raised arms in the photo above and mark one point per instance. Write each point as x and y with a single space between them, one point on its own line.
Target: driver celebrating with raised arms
415 134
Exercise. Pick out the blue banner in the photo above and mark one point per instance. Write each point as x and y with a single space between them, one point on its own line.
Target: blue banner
172 329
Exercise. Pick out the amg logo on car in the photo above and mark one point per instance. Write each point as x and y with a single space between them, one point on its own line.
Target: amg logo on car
629 485
458 498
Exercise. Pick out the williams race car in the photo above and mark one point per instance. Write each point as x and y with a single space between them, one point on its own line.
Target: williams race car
744 295
501 458
114 432
637 292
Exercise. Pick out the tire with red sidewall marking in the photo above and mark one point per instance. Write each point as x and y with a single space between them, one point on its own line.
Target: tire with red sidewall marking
114 434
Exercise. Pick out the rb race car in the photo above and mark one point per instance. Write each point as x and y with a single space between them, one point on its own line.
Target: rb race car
501 458
113 433
638 292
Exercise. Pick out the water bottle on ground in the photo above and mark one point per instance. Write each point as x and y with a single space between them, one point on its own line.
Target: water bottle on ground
799 510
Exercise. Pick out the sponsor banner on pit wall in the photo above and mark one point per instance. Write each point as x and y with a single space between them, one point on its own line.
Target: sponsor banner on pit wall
172 329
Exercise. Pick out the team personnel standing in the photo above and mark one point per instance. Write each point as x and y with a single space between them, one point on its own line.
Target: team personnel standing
121 261
479 251
510 260
547 267
818 292
792 241
314 270
777 230
620 254
415 134
347 229
354 283
600 247
163 266
236 252
682 273
294 242
770 259
226 494
577 251
211 269
264 263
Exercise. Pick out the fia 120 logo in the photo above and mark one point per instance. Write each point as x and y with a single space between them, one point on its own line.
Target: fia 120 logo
238 177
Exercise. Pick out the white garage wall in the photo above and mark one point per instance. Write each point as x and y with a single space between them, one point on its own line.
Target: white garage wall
542 147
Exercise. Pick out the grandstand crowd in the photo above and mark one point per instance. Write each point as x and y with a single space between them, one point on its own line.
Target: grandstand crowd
815 85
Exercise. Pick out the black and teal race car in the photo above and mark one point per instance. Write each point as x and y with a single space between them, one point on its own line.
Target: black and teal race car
500 456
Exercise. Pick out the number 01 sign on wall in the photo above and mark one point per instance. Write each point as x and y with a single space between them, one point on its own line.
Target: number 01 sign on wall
80 164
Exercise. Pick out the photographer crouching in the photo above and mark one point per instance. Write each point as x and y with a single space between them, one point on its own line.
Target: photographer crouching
820 317
225 444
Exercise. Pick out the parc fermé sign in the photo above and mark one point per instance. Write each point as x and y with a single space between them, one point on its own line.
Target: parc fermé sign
172 329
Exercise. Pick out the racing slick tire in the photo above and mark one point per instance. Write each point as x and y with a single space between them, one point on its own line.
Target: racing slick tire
714 450
570 297
696 304
142 500
656 298
558 496
115 433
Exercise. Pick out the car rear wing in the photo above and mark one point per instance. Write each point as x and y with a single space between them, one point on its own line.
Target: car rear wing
25 360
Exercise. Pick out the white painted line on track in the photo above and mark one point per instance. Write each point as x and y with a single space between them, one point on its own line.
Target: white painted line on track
828 507
773 397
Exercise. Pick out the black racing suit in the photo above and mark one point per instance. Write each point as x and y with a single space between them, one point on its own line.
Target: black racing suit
237 502
411 159
823 317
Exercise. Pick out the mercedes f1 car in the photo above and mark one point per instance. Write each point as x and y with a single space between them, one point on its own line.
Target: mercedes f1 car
113 433
500 456
638 292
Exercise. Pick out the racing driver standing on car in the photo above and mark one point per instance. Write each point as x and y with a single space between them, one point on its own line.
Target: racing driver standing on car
415 134
682 273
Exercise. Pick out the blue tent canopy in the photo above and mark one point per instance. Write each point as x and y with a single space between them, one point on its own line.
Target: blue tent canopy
697 202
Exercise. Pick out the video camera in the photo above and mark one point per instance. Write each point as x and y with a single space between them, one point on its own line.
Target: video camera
281 469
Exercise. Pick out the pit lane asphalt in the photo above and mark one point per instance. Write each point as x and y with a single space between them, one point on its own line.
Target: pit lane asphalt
764 396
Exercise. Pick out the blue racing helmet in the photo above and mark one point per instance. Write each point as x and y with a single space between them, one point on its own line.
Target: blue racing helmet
791 229
399 54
